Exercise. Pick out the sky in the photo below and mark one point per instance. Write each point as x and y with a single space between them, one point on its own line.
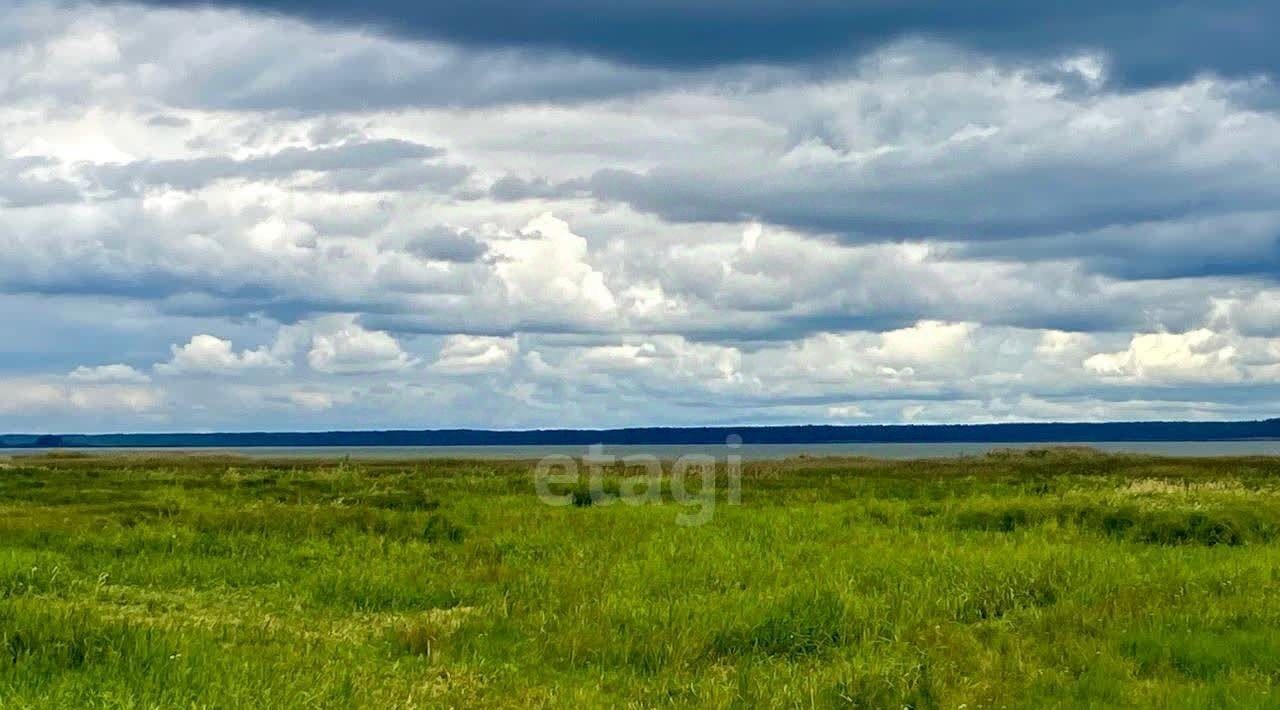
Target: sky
286 215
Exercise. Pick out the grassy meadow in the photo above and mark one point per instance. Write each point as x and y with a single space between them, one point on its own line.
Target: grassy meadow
1060 578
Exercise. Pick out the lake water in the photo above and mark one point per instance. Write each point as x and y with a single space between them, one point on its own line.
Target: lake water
746 451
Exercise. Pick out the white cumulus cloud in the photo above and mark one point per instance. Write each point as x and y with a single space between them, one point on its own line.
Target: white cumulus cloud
208 354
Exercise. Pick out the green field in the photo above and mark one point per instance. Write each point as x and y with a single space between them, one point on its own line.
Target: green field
1044 579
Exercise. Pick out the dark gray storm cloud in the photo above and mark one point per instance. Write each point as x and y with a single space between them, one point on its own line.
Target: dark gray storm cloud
1244 244
355 165
444 244
1034 200
1151 42
19 187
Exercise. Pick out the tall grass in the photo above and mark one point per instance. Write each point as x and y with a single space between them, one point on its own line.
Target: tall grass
1052 579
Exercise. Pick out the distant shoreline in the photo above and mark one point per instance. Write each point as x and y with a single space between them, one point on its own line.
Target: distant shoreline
1014 433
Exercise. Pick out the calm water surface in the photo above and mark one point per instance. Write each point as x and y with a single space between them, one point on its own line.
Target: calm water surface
746 451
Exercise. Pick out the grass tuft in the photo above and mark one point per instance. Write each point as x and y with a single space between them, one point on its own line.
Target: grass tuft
802 623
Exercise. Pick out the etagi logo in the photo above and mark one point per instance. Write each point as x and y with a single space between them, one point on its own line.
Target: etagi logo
640 479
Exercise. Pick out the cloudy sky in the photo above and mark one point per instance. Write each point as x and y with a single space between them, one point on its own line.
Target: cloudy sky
314 215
